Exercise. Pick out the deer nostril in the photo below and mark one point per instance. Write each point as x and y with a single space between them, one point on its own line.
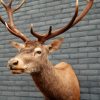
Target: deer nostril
15 62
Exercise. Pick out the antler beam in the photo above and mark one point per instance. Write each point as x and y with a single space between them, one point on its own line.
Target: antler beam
10 24
75 19
41 38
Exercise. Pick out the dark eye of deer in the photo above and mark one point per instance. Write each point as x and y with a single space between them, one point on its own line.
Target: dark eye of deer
39 52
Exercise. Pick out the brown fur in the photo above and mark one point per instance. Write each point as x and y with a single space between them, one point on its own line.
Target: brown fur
57 82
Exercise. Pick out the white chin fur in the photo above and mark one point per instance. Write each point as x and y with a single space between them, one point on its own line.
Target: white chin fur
29 70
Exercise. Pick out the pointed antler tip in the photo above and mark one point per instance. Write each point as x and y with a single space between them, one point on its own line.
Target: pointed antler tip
6 24
50 26
76 2
50 30
19 6
3 3
31 25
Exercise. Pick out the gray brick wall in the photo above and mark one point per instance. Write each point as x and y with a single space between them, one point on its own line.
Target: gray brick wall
81 47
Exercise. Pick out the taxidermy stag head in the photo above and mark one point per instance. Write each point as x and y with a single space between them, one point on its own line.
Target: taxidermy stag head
57 82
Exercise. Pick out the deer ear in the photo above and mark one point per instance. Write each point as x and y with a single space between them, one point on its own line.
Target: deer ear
17 45
55 45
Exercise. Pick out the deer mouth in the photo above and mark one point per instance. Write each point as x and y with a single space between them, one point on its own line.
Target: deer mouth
26 69
17 71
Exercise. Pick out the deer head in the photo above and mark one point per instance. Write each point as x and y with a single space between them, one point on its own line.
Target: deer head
31 56
34 53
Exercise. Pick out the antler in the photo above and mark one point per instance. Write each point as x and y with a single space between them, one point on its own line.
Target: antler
41 38
10 24
75 19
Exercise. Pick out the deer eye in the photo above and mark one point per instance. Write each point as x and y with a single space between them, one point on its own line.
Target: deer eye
39 52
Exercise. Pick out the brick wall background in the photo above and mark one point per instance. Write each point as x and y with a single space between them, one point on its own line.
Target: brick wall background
81 47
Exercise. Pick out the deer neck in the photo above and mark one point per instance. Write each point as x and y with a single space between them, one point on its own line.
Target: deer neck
46 71
46 80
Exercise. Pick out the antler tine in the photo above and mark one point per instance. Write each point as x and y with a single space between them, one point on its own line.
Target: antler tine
50 30
16 34
84 12
34 33
37 35
66 27
3 3
10 25
1 19
50 34
19 6
74 21
42 38
10 3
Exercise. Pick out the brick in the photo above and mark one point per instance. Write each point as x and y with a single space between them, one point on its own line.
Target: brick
88 38
94 66
96 54
72 40
83 78
88 60
69 50
99 60
72 61
3 98
95 90
95 21
94 78
78 34
89 72
88 49
36 94
89 27
78 55
93 32
78 44
95 97
85 84
85 97
80 66
94 43
84 90
54 21
65 45
31 98
65 56
7 93
94 83
14 98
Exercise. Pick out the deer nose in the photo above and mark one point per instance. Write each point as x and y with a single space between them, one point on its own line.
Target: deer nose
13 63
